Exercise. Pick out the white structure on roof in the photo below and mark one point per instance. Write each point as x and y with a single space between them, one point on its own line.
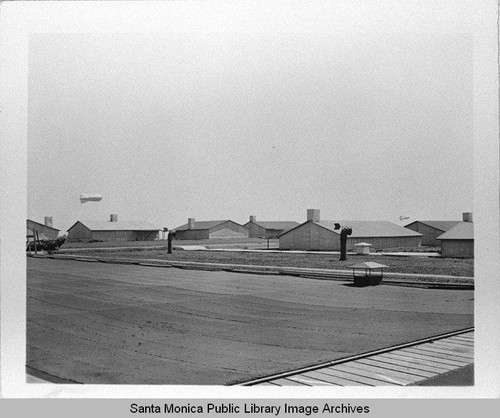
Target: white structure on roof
318 235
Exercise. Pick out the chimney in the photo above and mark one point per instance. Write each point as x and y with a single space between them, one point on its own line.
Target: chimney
313 215
467 216
113 218
190 223
48 221
253 218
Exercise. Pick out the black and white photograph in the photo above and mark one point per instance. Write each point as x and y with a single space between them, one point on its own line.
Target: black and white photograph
254 199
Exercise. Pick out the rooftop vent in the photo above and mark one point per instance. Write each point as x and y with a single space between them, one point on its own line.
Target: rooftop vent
190 223
313 215
253 218
467 216
48 221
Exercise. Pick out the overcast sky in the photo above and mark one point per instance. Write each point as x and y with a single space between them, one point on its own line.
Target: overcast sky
223 126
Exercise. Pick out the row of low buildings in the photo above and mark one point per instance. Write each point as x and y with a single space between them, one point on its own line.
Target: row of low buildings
324 235
456 238
114 230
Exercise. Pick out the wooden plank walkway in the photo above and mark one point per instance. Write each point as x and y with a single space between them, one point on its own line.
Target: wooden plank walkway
399 367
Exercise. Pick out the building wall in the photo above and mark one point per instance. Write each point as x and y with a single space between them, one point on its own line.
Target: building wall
112 236
42 229
192 234
273 233
121 236
255 231
147 235
227 233
296 239
323 239
429 234
228 230
463 248
310 236
79 233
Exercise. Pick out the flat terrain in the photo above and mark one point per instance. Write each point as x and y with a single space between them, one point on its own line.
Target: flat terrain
244 243
397 264
93 322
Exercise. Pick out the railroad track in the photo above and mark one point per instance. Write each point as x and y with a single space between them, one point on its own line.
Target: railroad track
401 365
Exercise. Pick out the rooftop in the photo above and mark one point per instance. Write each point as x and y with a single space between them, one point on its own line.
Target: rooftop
45 226
361 229
118 226
202 225
441 225
462 230
279 225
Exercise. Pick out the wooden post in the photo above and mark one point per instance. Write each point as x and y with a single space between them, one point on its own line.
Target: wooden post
38 241
171 236
35 240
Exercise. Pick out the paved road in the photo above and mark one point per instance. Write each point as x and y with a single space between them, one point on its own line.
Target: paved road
110 323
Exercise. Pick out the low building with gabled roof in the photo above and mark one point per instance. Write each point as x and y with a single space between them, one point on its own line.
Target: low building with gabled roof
430 230
318 235
45 231
268 229
458 241
112 230
196 230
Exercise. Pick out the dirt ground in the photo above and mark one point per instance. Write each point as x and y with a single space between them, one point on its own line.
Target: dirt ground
109 323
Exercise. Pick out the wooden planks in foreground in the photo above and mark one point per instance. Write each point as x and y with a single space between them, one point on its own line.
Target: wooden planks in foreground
400 367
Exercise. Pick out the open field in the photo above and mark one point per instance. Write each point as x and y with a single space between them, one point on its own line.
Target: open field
129 324
396 264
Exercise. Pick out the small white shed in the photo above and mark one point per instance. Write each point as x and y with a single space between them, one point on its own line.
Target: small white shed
363 248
